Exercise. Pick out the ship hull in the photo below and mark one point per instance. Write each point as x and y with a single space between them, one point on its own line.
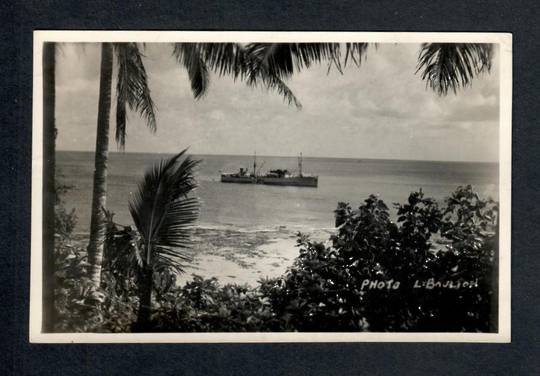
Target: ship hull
237 179
295 181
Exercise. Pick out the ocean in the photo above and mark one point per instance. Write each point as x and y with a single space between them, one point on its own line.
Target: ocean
249 207
248 232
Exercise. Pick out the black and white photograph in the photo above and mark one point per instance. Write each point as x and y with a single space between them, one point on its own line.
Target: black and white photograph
271 187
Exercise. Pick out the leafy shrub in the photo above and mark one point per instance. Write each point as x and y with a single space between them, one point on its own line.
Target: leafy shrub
76 301
80 307
328 287
120 257
469 234
202 305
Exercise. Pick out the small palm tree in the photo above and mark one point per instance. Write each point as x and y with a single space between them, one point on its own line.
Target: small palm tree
163 214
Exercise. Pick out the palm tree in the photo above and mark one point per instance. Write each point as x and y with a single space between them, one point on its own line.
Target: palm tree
132 89
99 194
49 195
163 214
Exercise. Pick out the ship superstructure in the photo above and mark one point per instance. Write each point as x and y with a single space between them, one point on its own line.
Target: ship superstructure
273 177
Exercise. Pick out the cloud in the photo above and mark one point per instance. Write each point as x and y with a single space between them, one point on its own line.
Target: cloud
379 110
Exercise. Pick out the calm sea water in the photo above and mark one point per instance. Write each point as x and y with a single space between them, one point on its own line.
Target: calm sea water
260 207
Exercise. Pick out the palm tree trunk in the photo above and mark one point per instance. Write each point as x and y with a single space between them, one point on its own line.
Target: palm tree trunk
49 195
99 197
145 301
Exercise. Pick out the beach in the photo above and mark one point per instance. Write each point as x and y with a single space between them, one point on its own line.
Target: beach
241 257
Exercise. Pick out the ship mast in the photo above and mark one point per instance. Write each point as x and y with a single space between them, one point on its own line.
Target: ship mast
255 164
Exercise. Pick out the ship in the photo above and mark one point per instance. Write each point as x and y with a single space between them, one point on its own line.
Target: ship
273 177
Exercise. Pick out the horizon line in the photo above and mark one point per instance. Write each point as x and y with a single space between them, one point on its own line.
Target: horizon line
284 156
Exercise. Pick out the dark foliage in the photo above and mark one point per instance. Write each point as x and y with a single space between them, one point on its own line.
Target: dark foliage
202 305
365 280
80 307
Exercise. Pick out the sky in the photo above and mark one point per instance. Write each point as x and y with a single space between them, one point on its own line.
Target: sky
381 109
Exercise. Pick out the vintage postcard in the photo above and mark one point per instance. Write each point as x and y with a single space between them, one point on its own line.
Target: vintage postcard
271 187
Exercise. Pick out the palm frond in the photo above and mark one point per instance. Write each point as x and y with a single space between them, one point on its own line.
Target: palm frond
226 59
132 89
271 63
356 52
275 83
164 213
285 59
451 66
191 57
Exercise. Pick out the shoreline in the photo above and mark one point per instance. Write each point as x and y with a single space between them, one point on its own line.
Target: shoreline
237 255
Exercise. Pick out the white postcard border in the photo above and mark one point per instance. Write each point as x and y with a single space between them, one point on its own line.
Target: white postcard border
504 41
